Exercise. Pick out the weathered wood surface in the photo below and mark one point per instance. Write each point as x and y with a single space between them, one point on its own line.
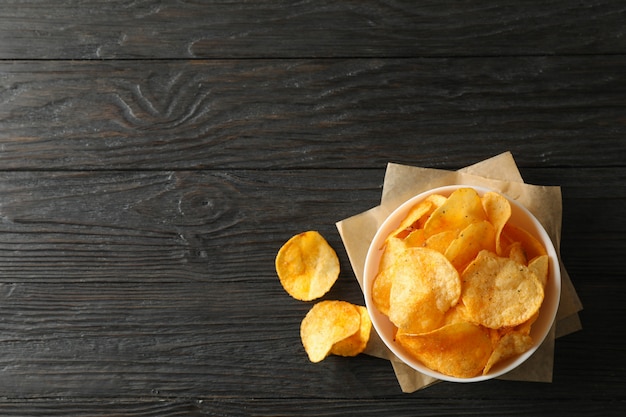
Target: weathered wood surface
154 155
281 114
92 29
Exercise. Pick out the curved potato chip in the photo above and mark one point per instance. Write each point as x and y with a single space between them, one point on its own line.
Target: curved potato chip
462 208
515 251
381 291
416 238
460 350
499 292
424 287
509 345
327 323
441 241
541 267
381 288
498 211
437 199
307 266
456 314
525 327
474 238
531 245
421 315
355 344
409 223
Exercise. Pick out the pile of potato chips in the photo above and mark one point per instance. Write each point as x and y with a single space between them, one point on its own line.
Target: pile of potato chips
461 285
307 268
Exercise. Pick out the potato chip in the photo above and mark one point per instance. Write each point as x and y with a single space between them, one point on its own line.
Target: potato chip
541 267
437 200
409 223
509 345
440 241
419 214
307 266
456 314
516 252
416 238
462 208
327 323
532 247
421 315
474 238
355 344
381 288
525 327
498 211
460 350
424 286
499 292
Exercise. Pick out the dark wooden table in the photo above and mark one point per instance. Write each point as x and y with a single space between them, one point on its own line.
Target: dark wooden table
154 155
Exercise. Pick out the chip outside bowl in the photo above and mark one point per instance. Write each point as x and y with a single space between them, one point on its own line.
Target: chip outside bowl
520 216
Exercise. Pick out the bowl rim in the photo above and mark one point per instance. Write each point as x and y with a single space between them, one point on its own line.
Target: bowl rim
520 216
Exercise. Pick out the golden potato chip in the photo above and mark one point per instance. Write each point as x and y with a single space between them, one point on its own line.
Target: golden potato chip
419 316
456 314
460 350
441 241
541 267
462 208
531 245
424 286
515 251
437 200
498 211
327 323
381 288
509 345
474 238
525 327
415 238
307 266
355 344
409 223
499 292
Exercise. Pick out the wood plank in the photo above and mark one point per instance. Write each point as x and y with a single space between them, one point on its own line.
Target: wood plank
400 406
164 226
201 225
549 111
236 29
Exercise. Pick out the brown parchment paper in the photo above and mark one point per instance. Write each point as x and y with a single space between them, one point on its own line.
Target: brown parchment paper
500 173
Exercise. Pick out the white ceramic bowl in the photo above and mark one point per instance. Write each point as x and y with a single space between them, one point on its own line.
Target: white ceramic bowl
521 217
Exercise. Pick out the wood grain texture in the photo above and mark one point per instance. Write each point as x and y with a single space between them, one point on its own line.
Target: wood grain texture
164 226
290 407
282 114
91 29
